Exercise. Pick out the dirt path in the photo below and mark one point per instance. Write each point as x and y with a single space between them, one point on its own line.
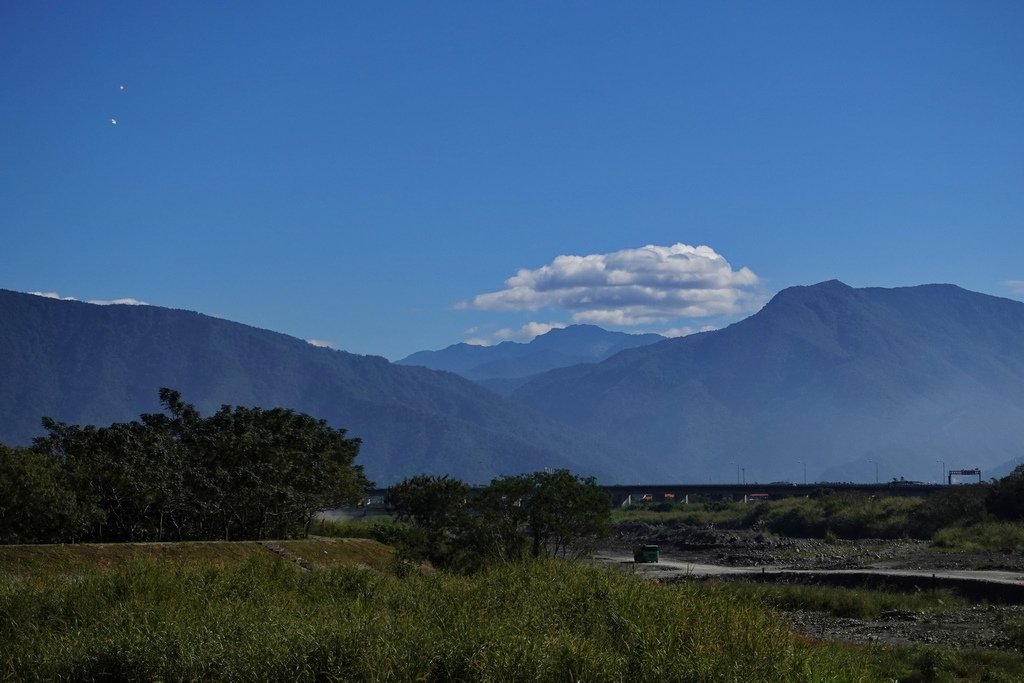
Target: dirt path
670 567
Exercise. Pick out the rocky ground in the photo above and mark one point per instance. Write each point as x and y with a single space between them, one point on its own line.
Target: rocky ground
754 549
981 625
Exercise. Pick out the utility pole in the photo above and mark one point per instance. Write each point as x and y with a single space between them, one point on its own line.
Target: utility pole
876 469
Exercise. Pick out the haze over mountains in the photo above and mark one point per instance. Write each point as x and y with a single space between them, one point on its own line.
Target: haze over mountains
88 364
826 375
505 366
839 379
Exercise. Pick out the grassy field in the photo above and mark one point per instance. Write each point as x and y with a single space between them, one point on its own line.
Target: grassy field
855 603
223 611
40 561
258 620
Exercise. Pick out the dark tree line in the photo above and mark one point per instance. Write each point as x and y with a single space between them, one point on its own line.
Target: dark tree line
241 473
462 528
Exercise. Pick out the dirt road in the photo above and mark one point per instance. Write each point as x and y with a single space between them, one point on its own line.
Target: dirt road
672 568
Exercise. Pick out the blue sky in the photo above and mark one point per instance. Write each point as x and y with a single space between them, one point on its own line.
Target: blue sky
371 174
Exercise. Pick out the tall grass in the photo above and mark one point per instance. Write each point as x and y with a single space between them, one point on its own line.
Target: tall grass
261 620
369 527
999 536
856 603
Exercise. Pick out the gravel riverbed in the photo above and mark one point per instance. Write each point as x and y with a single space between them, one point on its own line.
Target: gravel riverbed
981 625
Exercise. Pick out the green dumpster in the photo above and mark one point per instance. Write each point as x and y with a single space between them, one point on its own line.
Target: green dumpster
646 553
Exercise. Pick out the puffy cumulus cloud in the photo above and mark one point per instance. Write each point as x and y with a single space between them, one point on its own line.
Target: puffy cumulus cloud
520 334
630 287
322 343
1015 286
128 301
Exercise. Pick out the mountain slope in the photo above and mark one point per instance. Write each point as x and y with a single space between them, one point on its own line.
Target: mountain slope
512 360
828 375
88 364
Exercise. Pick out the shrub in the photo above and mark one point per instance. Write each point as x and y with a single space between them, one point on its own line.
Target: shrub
1001 536
951 506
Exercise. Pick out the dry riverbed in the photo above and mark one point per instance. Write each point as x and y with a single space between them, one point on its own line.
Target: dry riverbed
754 549
710 554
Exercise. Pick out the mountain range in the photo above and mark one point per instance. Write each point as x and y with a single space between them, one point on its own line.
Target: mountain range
847 383
87 364
912 380
506 366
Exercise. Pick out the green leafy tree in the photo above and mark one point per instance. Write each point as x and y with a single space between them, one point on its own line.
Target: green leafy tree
37 502
951 506
566 513
240 473
504 511
437 509
540 514
1006 497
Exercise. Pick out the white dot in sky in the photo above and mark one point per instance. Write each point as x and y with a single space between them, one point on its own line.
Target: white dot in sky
113 122
121 88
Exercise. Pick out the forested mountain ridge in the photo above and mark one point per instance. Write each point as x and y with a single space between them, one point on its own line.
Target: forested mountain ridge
912 379
86 364
557 348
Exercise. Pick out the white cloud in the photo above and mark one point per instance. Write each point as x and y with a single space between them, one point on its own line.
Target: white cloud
54 295
322 343
685 331
99 302
630 287
118 302
519 334
1015 286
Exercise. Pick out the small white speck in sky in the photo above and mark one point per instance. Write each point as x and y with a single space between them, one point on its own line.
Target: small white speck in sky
113 122
121 88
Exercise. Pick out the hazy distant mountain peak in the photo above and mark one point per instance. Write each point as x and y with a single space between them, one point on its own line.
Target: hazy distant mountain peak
559 347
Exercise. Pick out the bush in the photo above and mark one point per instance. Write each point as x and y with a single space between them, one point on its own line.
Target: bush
1005 499
1000 536
955 505
797 517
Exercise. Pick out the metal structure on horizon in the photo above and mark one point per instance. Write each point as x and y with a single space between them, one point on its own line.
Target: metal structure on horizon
963 473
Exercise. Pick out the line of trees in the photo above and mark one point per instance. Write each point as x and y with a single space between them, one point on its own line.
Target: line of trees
241 473
462 528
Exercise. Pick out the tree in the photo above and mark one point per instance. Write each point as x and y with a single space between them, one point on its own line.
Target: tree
1006 497
240 473
540 514
37 502
437 509
430 501
952 505
566 514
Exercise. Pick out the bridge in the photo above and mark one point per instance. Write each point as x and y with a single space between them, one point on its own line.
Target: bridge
680 493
